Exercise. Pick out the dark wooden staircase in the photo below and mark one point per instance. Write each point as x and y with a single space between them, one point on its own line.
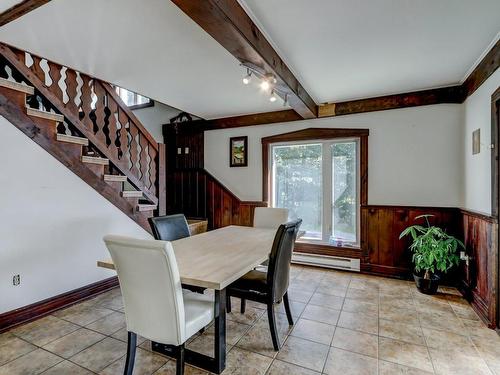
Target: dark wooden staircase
83 123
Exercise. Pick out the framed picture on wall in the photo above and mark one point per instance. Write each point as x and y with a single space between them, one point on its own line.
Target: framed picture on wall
238 151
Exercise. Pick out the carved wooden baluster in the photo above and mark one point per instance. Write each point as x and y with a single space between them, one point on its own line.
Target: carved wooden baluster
37 69
134 154
152 169
99 110
143 160
113 129
71 85
86 101
124 148
55 76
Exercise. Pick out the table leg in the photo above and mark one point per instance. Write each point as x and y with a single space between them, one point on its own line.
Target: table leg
220 330
215 364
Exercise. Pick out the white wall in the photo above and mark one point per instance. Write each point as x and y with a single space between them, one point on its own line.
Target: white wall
477 168
51 224
414 154
154 117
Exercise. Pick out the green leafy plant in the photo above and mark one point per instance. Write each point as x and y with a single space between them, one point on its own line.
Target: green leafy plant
433 249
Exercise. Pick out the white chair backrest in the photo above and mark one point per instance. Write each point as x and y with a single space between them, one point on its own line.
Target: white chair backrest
269 217
151 288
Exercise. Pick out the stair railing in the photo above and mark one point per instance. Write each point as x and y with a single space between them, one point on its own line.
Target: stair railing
97 111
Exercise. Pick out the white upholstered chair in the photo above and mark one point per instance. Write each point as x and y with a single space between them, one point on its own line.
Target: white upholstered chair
269 217
155 305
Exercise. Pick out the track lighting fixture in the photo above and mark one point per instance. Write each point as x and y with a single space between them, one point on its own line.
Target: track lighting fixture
268 82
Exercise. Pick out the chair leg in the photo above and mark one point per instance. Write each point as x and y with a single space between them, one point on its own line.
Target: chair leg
243 305
272 326
131 347
228 303
179 368
287 309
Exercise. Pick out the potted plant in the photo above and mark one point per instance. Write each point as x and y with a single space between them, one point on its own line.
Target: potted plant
434 252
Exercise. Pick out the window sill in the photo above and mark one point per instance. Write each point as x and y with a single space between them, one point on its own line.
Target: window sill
325 248
326 244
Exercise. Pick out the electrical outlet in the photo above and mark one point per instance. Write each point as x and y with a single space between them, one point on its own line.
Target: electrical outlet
16 280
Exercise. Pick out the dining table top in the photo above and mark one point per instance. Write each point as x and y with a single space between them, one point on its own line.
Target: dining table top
219 257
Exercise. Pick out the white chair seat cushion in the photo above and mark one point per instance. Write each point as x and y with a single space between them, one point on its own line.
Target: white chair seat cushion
198 310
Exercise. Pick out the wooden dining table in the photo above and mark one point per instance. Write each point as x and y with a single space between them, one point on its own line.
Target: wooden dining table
214 260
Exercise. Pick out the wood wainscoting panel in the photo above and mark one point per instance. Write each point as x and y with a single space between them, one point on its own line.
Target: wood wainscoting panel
197 194
383 252
480 277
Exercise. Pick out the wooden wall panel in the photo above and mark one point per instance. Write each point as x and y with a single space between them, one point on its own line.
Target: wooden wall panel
480 277
384 253
197 194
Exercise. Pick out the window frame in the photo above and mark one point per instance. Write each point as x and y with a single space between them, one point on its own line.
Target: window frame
321 135
133 107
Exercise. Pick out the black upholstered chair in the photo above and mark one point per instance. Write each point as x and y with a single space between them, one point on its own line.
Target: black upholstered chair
171 228
270 287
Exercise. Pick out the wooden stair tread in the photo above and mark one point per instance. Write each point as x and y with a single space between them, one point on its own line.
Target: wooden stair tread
131 194
146 207
17 86
44 114
115 178
72 139
95 160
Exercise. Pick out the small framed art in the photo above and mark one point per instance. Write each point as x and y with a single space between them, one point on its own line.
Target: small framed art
238 151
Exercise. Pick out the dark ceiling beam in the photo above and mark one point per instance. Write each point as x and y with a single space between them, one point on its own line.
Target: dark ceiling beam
20 10
453 94
249 120
483 70
228 23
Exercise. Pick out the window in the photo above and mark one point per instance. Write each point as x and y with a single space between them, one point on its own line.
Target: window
320 175
132 99
318 183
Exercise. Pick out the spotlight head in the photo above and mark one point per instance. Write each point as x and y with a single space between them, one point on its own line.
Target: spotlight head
247 78
273 97
265 85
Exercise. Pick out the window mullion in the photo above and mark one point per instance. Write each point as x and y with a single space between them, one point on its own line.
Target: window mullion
327 191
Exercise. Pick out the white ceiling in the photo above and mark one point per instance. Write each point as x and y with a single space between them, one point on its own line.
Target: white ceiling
150 47
339 49
350 49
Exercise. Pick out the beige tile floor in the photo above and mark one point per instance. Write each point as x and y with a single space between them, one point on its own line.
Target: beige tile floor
345 324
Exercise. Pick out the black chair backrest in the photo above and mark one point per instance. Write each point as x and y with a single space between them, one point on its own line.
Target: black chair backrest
278 272
170 227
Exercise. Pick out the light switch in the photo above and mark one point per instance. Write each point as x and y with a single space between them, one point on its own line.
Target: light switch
186 150
179 150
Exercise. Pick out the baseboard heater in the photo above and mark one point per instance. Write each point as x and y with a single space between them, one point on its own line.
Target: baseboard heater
342 263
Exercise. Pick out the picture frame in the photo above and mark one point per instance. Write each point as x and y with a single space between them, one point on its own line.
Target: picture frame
238 151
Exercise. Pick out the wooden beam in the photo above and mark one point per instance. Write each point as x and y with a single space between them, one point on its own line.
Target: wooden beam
483 70
249 120
452 94
19 10
227 22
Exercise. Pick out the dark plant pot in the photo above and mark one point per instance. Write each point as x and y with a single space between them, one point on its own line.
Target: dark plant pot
427 286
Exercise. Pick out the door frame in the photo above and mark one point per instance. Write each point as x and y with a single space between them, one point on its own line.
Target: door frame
495 192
